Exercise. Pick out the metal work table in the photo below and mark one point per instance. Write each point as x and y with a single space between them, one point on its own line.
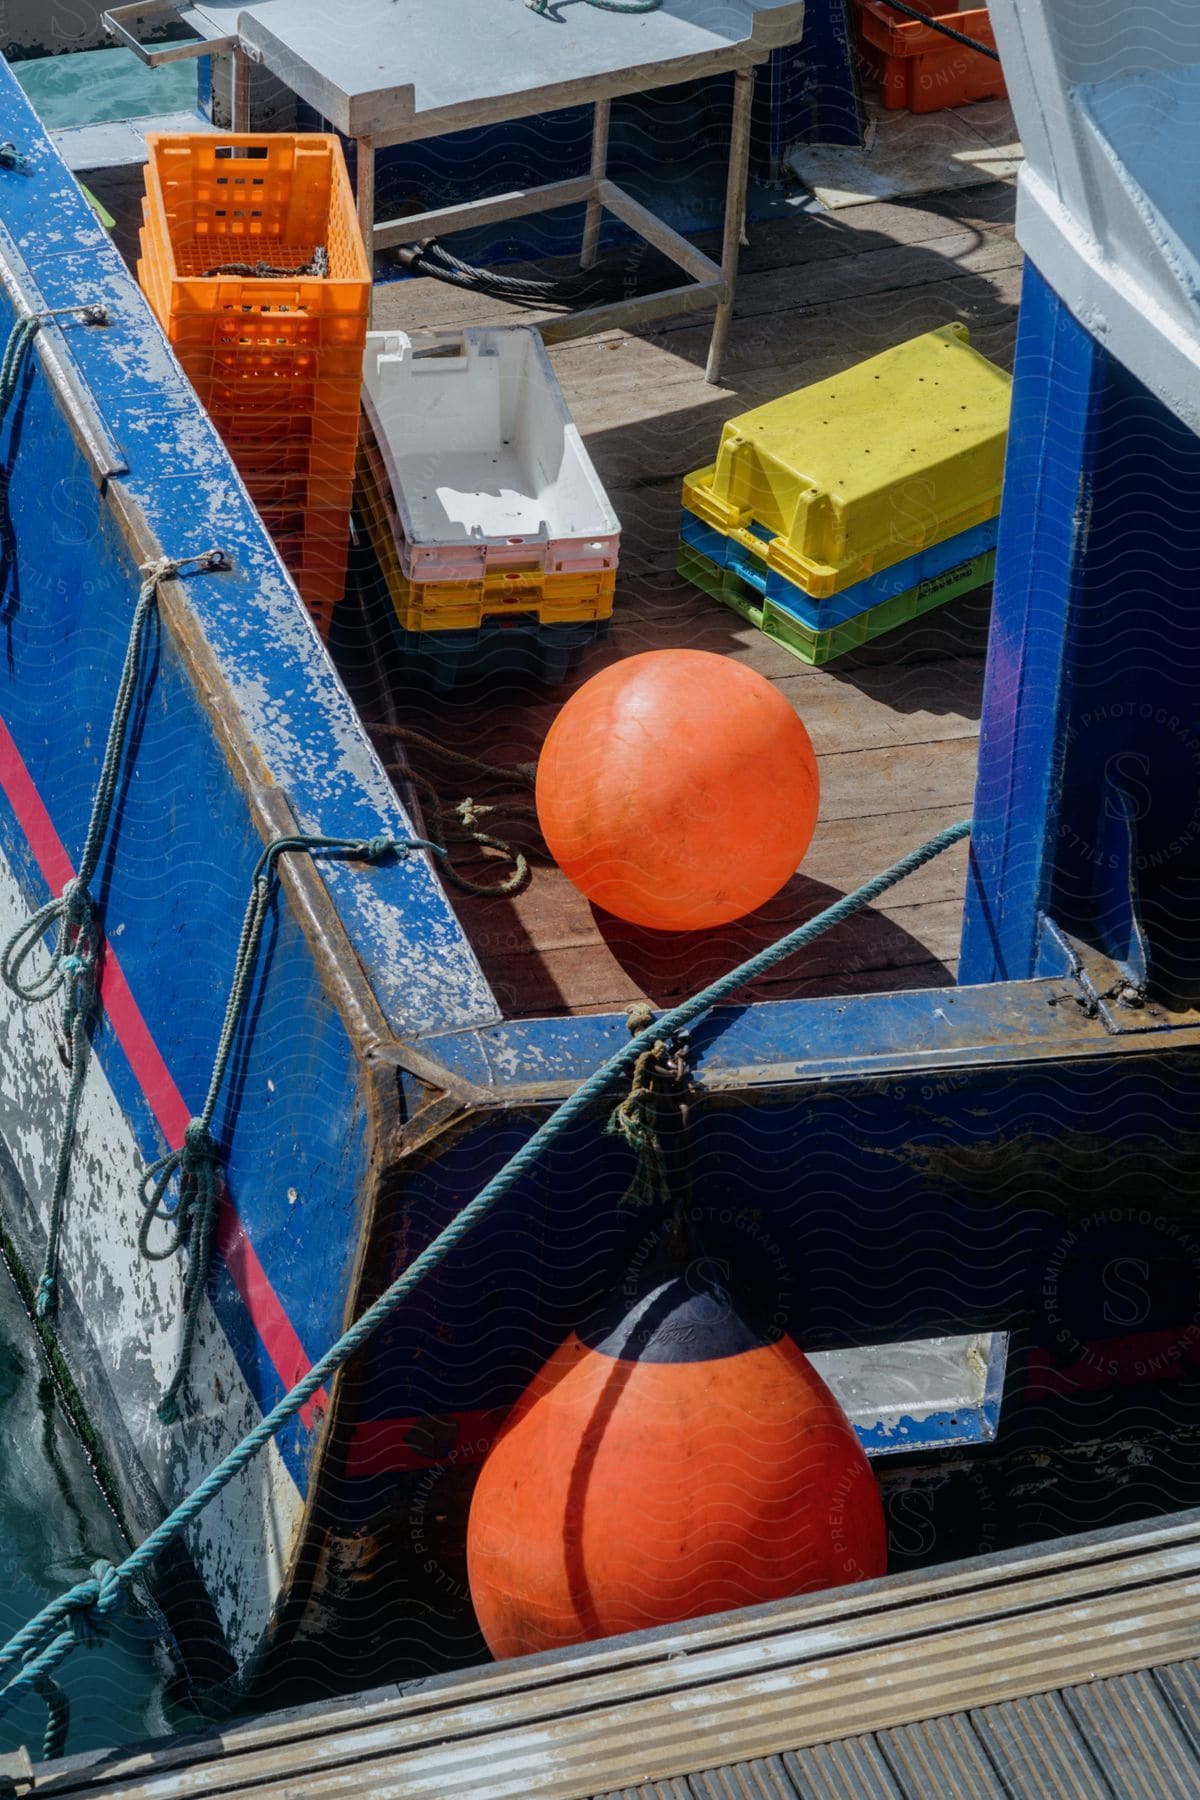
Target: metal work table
385 74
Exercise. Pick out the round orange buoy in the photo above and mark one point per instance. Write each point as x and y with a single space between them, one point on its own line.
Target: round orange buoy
677 789
667 1463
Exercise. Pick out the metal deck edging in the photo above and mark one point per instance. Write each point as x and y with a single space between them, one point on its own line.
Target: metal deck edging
768 1682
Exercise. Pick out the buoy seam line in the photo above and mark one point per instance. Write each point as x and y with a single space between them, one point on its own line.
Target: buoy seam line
85 1610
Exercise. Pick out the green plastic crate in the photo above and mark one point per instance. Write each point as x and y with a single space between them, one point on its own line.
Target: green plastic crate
819 647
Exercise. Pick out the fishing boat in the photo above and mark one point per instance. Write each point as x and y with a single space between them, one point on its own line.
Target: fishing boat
959 1170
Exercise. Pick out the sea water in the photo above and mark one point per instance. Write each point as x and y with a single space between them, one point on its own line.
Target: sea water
54 1519
54 1523
91 87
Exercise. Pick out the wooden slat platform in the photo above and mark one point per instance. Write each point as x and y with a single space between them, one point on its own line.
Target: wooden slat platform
915 1687
894 726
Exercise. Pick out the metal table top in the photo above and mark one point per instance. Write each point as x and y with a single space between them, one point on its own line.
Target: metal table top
403 69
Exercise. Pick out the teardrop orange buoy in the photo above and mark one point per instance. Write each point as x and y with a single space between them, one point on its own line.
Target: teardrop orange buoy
664 1464
678 790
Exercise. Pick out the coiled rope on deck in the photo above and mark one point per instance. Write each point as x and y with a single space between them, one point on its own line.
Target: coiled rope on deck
459 821
73 966
31 1657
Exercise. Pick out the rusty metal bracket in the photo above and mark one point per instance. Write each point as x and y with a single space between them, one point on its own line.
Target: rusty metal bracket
1106 989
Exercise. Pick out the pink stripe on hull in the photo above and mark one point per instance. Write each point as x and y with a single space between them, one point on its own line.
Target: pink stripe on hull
262 1304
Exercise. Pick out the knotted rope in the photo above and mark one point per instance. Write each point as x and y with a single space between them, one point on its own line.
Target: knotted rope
87 1612
635 1118
43 1630
73 965
196 1165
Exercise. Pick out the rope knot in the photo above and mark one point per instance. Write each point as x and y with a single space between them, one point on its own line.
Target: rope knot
639 1017
191 1221
470 812
78 907
98 1604
79 936
376 848
199 1145
635 1120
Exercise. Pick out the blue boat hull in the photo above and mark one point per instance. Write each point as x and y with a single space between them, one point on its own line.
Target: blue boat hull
992 1157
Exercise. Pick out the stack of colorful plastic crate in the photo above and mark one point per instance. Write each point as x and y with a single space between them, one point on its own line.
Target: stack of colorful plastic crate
494 536
841 511
255 267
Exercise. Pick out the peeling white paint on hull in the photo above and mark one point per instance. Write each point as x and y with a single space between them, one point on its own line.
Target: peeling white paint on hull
132 1310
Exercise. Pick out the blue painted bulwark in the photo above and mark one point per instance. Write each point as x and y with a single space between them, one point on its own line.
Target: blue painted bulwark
1088 799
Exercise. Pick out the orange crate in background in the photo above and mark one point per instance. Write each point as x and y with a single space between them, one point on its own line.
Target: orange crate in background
919 68
254 265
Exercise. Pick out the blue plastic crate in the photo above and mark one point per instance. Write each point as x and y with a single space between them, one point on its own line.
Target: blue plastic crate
520 645
825 615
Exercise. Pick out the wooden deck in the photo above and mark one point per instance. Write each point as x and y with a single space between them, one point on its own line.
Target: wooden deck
894 726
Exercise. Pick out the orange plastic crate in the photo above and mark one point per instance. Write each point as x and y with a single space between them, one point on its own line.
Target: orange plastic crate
215 198
277 360
920 69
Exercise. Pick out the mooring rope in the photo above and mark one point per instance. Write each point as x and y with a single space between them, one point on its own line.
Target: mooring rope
197 1162
85 1612
72 969
19 339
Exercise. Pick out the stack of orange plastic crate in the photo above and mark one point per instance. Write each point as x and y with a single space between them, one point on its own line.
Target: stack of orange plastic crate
273 343
920 68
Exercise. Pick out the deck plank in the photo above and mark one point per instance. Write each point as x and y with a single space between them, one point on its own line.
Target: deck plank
894 725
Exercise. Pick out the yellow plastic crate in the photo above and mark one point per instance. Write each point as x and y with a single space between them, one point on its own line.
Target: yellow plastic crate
845 478
464 605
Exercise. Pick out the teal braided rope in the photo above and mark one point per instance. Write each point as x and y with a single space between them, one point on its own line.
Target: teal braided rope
86 1611
42 1646
72 965
197 1163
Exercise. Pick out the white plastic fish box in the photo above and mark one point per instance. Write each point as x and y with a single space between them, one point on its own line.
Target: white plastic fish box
486 466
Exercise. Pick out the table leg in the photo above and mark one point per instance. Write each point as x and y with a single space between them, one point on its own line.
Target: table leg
365 193
591 224
735 215
239 89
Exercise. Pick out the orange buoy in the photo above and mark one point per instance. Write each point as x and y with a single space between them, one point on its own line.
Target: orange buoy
678 790
670 1461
